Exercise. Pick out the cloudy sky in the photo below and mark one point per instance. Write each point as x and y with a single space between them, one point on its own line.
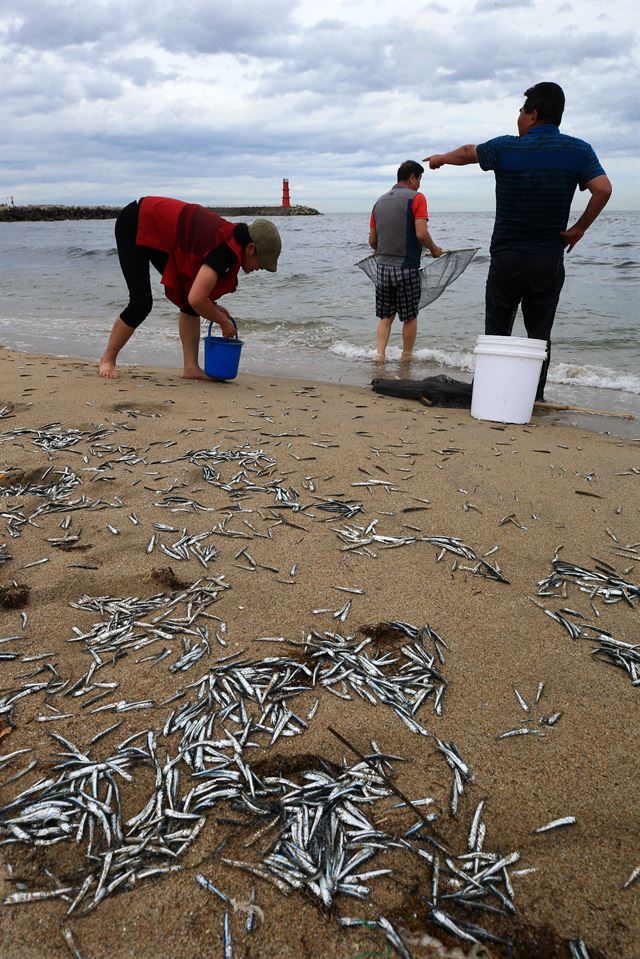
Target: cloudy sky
217 100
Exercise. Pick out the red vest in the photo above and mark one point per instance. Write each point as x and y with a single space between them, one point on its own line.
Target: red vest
187 232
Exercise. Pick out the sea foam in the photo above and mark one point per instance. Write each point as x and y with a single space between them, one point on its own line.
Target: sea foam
596 376
563 373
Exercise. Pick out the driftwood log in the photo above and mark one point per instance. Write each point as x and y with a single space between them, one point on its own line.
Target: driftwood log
445 391
432 391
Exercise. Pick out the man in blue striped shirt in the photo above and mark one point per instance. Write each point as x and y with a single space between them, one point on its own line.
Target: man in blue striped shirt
536 176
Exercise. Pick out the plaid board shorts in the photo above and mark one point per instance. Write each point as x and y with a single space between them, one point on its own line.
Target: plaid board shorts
397 291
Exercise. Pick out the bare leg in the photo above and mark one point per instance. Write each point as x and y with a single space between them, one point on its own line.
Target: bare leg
189 327
120 334
409 332
383 333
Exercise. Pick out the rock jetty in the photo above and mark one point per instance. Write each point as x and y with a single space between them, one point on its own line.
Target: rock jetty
11 214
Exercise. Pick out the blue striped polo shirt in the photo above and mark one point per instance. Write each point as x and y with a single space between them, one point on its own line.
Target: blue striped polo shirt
536 177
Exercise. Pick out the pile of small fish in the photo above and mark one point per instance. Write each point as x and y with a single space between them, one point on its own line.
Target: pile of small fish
60 485
453 544
84 800
603 581
126 628
252 463
186 546
473 880
616 652
360 538
322 840
320 837
54 436
10 695
231 691
323 836
403 679
16 518
83 803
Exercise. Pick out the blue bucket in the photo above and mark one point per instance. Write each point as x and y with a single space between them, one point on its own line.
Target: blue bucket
221 356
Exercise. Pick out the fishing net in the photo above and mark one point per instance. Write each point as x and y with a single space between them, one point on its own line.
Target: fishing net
435 276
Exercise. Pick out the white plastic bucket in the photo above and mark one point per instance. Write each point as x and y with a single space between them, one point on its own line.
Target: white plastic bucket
507 370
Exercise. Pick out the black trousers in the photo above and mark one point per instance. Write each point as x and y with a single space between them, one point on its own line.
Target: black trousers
135 262
531 281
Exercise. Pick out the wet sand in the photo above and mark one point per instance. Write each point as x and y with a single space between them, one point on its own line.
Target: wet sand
526 489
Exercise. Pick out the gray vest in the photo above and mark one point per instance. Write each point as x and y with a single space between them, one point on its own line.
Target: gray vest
398 244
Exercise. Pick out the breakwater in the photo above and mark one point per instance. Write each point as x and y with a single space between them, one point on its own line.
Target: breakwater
15 214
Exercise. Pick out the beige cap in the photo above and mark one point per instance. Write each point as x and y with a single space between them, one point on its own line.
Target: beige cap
268 243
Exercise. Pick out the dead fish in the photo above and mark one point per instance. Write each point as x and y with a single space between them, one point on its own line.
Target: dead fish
70 940
520 731
228 948
552 720
556 823
578 949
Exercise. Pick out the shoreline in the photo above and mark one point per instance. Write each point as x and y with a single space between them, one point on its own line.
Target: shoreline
358 376
258 457
53 212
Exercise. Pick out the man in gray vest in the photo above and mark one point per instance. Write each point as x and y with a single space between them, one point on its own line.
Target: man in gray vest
397 233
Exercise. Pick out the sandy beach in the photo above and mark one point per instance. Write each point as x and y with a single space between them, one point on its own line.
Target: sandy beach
303 512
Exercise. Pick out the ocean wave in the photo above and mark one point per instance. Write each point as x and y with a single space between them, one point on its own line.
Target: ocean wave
358 352
600 377
287 327
290 279
460 361
74 252
562 373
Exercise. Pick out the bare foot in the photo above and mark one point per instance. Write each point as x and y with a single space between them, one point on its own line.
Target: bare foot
195 373
107 368
406 357
379 359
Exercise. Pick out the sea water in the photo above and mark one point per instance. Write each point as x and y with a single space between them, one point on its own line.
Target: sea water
61 289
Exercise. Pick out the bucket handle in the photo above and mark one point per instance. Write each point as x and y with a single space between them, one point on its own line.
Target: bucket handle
230 337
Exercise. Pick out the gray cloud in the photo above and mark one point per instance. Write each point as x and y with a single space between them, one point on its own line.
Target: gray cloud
112 95
334 63
498 6
198 26
37 25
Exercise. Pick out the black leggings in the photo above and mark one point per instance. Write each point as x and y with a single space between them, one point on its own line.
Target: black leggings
134 262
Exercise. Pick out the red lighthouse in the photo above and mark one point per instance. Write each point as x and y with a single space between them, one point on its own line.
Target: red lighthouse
285 194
